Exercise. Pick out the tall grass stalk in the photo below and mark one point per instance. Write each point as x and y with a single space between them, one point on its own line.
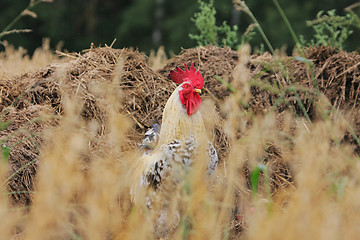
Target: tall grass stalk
241 5
26 12
4 183
288 25
84 178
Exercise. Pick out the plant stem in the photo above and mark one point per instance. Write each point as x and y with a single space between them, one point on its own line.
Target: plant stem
302 107
247 10
17 171
228 85
13 22
288 25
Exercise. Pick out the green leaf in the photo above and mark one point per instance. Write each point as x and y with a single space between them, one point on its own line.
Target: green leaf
5 150
254 177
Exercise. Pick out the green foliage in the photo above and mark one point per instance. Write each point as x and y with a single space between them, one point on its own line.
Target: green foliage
208 32
76 24
260 49
330 29
205 22
230 35
356 19
248 34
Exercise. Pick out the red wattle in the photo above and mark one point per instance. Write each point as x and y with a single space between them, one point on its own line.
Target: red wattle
193 104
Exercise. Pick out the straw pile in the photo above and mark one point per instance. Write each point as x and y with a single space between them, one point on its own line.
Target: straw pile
81 77
146 91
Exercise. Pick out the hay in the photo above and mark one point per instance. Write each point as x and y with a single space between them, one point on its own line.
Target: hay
337 81
211 61
146 91
283 73
24 140
338 75
140 85
336 72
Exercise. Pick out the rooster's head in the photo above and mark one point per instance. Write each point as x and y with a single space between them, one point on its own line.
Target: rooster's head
191 82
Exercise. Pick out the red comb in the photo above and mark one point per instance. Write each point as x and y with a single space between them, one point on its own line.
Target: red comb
189 75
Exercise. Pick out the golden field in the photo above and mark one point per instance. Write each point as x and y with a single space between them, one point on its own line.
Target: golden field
72 121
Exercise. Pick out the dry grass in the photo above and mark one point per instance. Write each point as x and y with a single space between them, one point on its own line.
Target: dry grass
17 61
84 174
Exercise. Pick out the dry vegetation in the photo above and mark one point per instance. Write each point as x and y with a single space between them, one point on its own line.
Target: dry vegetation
73 127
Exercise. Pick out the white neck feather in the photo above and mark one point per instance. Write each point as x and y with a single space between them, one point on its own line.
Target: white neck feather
176 124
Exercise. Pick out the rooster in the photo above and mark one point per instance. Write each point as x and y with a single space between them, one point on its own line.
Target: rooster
174 148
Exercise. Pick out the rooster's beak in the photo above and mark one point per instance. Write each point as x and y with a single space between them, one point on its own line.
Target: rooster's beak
198 90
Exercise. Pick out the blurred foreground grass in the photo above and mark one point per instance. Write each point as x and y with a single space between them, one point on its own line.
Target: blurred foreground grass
84 194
